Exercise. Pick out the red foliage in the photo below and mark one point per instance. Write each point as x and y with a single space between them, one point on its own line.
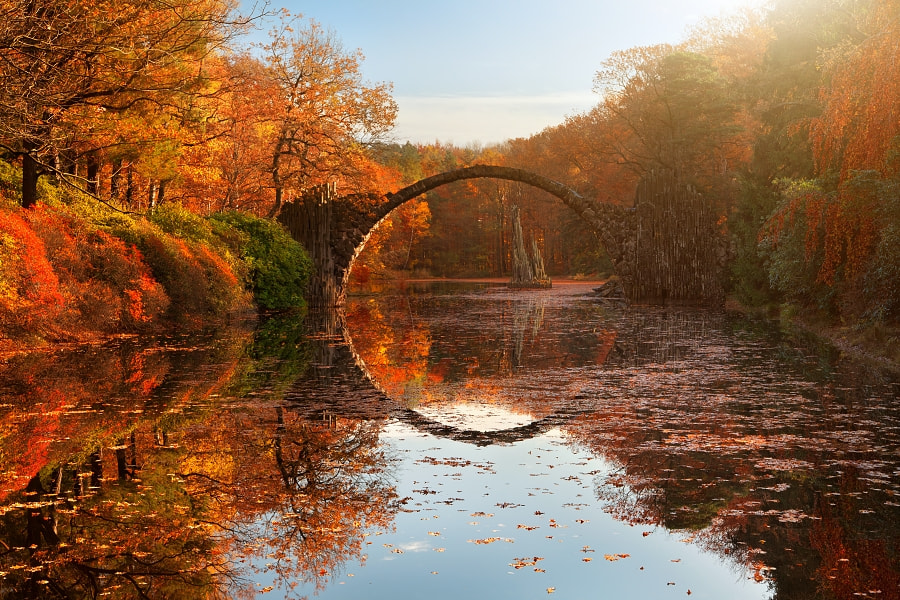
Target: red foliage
30 293
107 281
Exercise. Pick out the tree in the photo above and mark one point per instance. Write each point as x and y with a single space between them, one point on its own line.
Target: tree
328 114
859 127
228 169
670 109
68 61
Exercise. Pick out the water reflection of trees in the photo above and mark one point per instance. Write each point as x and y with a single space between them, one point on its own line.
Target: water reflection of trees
414 347
152 481
772 462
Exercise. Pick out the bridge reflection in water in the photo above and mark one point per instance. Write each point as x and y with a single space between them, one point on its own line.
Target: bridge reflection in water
778 456
756 444
342 382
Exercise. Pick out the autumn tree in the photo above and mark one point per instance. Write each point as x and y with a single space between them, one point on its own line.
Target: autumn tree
835 247
670 108
228 168
65 62
328 114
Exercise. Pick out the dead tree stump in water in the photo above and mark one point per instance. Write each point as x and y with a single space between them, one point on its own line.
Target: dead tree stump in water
528 269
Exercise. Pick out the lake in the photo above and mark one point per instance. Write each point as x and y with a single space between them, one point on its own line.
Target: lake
451 440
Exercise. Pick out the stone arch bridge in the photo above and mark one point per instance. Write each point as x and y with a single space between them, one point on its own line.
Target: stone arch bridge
665 248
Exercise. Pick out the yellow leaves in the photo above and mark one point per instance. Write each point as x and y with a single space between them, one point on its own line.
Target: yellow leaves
520 563
615 557
490 540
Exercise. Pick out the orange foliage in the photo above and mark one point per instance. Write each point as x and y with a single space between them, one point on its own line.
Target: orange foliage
30 293
106 281
859 126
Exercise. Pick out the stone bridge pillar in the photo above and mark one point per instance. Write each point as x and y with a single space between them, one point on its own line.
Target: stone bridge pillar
311 222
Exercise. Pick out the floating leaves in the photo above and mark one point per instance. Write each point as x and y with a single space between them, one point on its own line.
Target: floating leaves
615 557
490 540
520 563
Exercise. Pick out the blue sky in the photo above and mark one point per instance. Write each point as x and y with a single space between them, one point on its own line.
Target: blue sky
484 71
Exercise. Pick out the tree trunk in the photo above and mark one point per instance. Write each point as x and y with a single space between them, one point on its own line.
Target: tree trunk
115 180
29 179
129 186
93 172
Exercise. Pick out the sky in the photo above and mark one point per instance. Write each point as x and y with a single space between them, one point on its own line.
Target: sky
480 72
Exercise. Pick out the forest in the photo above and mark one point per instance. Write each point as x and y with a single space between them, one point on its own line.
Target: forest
146 148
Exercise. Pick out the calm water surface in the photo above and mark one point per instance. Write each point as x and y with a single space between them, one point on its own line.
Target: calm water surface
453 441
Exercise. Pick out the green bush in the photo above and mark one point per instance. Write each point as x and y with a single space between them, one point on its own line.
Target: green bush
789 245
10 185
749 279
279 268
176 220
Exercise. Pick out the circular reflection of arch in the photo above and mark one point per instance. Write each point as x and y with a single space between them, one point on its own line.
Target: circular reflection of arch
426 424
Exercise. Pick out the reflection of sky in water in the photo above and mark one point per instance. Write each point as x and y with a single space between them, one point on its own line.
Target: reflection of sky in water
473 514
475 416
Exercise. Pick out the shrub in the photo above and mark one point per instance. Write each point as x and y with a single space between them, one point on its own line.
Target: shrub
279 267
10 184
790 241
106 281
199 281
176 220
30 294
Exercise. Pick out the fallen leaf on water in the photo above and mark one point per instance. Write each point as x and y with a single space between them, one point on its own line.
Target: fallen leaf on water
587 559
675 560
526 527
551 590
490 540
439 549
646 533
519 563
615 557
434 533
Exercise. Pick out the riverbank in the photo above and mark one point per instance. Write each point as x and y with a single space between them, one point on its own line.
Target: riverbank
877 345
73 271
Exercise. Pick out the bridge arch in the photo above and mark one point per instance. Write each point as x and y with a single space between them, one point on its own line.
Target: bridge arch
335 231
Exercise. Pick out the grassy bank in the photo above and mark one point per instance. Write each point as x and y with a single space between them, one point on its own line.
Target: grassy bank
74 269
